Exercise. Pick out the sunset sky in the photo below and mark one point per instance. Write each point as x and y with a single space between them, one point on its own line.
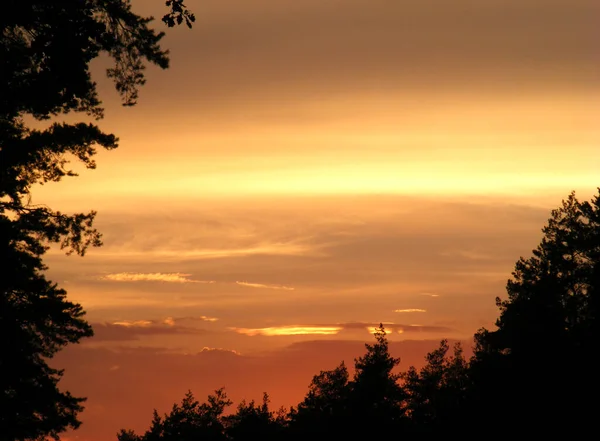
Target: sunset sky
308 169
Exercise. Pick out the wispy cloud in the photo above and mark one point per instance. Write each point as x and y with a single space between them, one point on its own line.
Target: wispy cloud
397 327
410 310
265 286
168 321
152 277
208 319
132 330
201 318
335 328
429 294
277 249
466 254
181 278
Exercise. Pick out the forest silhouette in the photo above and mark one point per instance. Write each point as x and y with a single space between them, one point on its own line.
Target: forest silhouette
533 375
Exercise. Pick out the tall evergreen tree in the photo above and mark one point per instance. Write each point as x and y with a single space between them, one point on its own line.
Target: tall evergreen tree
45 51
323 414
255 422
188 421
536 370
436 395
376 395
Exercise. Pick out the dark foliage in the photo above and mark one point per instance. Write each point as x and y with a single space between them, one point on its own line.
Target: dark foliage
324 412
375 394
45 52
188 421
532 376
191 421
178 14
36 321
536 370
437 394
253 421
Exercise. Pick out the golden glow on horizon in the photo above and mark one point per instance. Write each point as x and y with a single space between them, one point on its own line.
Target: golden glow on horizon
464 146
410 310
133 324
370 172
289 330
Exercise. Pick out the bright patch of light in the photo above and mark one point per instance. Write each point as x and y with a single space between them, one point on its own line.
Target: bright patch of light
290 330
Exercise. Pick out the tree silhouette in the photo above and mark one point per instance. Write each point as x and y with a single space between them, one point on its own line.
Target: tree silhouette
36 321
191 421
178 14
436 395
188 421
323 413
334 408
376 396
536 370
45 51
255 422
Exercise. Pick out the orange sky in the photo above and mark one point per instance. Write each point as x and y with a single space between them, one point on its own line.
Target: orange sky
305 170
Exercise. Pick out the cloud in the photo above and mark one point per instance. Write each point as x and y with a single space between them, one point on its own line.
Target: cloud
134 330
262 285
466 254
429 294
394 252
373 45
201 318
396 327
208 319
133 323
209 350
267 249
334 329
410 310
152 277
289 330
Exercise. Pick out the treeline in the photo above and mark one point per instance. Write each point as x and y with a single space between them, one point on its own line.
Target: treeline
535 375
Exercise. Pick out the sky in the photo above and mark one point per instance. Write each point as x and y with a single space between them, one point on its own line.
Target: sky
307 170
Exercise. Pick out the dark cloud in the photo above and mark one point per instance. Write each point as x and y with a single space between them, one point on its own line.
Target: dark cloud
107 332
288 61
331 47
